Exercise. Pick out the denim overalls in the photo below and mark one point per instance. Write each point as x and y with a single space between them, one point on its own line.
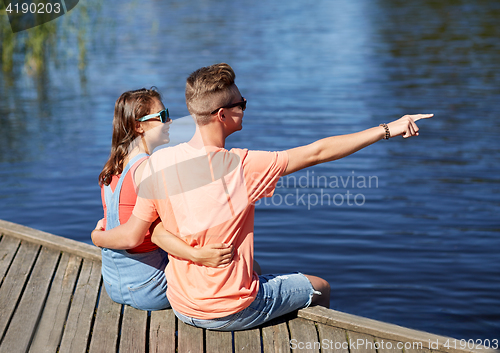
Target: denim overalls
134 279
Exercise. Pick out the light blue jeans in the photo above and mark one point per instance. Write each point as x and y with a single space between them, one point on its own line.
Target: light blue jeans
139 279
278 295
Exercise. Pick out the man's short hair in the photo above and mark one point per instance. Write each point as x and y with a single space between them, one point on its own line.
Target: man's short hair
207 89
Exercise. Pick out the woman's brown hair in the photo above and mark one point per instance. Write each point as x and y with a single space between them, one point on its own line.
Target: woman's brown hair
131 106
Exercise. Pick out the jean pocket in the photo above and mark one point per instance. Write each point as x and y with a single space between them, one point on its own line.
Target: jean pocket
222 324
151 295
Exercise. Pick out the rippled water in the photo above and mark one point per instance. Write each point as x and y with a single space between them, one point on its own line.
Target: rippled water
413 241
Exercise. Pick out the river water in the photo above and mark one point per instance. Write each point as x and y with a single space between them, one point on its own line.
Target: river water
405 231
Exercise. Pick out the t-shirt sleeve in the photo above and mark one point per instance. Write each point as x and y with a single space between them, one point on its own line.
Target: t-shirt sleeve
262 172
145 206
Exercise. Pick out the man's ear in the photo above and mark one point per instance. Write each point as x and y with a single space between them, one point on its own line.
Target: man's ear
220 115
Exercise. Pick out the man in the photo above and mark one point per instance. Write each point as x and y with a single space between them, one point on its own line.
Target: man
205 194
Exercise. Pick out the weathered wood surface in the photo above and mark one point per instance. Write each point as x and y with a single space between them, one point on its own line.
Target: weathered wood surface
162 332
53 300
275 336
106 325
51 326
48 240
247 341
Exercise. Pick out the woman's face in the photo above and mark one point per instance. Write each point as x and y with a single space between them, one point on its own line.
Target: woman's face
156 132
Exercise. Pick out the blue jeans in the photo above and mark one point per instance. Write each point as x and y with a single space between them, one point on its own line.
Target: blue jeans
277 296
137 280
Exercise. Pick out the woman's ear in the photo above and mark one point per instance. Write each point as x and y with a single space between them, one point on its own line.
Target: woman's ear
138 127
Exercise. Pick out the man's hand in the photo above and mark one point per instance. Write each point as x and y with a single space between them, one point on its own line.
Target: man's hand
406 125
214 255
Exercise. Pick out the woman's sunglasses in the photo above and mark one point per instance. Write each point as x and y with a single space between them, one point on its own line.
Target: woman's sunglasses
242 104
164 116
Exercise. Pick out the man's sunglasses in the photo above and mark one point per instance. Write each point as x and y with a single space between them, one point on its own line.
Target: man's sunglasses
242 104
164 116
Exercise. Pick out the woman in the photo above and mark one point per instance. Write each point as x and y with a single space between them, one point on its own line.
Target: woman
136 276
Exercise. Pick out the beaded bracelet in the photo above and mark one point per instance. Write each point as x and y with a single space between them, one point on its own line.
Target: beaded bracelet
387 132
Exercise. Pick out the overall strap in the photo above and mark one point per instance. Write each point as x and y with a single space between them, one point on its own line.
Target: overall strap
112 198
129 165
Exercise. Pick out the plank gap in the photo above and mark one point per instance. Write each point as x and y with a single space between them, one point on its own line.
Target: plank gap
92 322
71 301
204 335
44 302
120 323
11 261
148 327
21 292
176 329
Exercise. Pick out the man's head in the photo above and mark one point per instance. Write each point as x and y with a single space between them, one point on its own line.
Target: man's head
208 89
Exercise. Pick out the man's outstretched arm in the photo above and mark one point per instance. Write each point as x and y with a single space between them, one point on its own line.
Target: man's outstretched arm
336 147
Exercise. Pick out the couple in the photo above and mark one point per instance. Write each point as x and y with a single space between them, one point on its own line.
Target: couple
204 196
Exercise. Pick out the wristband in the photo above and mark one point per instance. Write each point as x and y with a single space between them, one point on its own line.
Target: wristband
387 132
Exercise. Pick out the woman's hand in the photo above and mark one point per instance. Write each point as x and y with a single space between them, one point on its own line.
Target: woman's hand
100 224
406 125
214 255
98 228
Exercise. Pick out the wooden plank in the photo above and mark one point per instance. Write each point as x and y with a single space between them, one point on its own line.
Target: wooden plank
415 348
190 338
23 324
218 341
275 336
13 283
383 330
361 343
247 341
303 336
134 326
162 332
333 340
388 346
51 326
50 240
106 325
78 324
8 248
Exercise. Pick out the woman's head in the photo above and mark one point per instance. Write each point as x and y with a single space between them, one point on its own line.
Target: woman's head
131 106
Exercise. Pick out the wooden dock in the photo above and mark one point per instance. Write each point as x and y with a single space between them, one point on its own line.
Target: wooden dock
52 300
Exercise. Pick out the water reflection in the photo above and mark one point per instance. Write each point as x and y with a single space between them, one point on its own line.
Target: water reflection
31 61
33 49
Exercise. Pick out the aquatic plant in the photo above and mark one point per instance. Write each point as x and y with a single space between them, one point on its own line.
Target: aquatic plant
32 49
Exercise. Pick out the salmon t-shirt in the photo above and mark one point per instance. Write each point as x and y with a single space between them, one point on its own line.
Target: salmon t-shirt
207 196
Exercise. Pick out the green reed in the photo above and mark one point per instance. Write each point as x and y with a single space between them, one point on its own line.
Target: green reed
62 39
